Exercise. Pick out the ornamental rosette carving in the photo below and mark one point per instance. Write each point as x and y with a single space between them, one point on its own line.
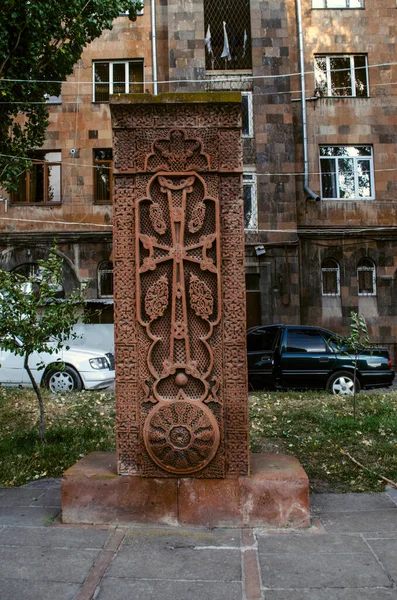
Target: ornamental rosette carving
157 218
201 299
198 216
181 436
156 299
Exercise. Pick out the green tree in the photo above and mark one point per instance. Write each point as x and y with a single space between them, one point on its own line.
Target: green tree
32 315
40 42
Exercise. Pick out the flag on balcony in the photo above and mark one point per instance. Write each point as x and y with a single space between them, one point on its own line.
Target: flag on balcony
207 40
226 49
245 43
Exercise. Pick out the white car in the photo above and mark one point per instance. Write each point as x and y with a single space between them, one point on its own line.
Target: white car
64 371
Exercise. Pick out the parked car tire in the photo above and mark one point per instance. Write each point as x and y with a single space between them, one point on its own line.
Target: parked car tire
62 380
342 382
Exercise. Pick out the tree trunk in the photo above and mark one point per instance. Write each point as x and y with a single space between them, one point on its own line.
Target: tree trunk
38 394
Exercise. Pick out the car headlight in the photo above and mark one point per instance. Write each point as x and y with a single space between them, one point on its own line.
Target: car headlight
99 363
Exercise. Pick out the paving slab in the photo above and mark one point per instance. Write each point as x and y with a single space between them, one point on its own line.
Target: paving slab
185 538
27 516
386 551
19 496
52 537
321 570
332 594
310 544
360 522
46 564
154 559
128 589
51 497
350 502
12 589
392 493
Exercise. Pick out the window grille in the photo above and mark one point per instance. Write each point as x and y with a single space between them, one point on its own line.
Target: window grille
227 34
116 77
341 75
346 172
330 277
103 175
366 278
337 3
105 279
250 201
42 184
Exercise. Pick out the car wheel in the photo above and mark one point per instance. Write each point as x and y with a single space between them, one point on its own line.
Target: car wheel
62 380
342 382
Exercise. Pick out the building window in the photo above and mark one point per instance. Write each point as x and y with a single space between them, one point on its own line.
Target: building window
337 3
103 175
330 277
227 24
42 184
105 279
341 75
250 201
366 277
34 273
246 113
346 172
117 77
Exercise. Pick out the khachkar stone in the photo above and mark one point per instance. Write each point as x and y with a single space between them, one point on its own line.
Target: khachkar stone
179 287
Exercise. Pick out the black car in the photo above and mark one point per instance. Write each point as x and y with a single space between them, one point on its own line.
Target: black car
302 357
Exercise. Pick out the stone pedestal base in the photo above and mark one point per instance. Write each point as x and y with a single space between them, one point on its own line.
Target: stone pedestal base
276 494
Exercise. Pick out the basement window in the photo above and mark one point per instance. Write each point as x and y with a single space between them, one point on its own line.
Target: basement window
341 75
42 183
366 277
337 3
330 277
346 172
250 201
116 77
227 26
247 116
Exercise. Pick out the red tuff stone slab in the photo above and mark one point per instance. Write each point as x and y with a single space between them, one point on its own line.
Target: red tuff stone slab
276 494
92 492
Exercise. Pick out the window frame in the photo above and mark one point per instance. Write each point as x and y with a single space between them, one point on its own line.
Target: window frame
250 179
362 268
46 164
250 133
329 71
96 163
111 63
336 270
356 174
106 271
346 7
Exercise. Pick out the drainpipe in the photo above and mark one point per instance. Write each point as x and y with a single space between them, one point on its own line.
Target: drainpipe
154 45
306 188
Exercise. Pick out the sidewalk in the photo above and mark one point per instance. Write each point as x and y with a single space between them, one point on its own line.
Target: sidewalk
348 554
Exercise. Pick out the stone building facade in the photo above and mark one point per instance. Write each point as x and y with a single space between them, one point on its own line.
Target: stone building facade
308 260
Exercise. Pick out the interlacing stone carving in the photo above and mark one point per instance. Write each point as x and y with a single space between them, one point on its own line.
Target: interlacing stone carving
181 275
156 299
201 299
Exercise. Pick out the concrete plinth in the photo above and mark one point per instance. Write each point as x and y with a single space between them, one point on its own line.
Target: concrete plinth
276 494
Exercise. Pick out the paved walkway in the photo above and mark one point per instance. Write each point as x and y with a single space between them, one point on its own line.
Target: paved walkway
350 553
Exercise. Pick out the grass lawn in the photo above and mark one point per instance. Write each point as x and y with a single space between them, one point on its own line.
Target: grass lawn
314 427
